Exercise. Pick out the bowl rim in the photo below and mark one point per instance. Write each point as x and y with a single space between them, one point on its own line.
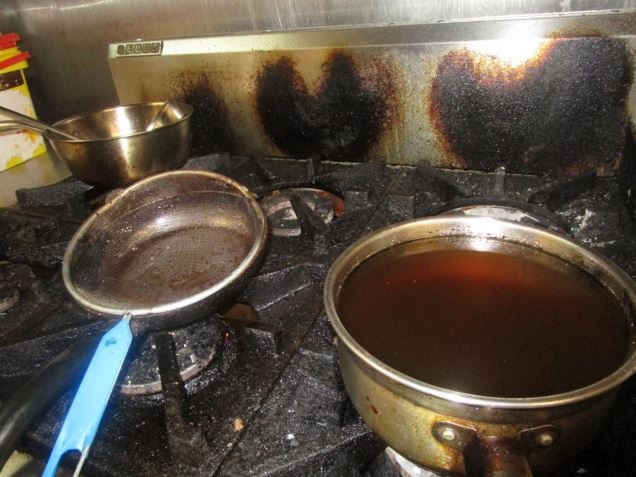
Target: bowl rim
187 108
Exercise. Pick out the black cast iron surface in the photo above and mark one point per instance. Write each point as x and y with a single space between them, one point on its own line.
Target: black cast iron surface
270 400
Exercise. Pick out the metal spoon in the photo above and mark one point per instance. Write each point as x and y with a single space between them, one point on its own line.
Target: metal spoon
21 121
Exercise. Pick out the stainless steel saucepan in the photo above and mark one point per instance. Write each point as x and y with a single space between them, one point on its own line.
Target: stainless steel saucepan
466 434
165 252
117 146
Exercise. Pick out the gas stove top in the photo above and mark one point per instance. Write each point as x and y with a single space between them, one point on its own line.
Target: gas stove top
255 389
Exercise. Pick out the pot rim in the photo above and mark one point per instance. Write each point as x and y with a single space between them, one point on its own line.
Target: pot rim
349 260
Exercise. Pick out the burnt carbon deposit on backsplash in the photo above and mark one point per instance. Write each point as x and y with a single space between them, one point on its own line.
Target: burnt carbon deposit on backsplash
343 119
562 112
210 124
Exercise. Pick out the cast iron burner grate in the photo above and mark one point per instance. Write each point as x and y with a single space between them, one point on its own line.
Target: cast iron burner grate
263 393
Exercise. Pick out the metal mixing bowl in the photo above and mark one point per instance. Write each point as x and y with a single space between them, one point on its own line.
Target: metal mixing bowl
116 150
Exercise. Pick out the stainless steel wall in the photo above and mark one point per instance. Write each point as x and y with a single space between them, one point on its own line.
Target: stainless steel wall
69 38
551 94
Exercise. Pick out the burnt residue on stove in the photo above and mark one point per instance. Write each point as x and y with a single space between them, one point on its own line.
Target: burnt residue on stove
562 112
210 124
344 118
627 172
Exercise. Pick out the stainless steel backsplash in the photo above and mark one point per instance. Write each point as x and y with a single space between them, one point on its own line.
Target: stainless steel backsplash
69 38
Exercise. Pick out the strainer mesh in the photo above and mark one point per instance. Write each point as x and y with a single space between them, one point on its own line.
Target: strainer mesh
163 242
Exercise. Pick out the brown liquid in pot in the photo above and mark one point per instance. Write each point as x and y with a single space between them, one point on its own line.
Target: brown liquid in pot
485 322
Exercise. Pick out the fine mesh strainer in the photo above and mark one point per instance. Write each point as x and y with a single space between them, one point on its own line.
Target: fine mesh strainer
162 254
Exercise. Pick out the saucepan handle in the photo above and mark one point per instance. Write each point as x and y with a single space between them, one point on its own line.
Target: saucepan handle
490 456
86 411
503 457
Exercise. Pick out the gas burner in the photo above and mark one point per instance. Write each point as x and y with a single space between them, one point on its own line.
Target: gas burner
263 394
508 213
283 218
406 468
9 296
196 346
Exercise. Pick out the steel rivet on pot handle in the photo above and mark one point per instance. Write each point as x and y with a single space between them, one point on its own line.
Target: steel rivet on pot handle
83 418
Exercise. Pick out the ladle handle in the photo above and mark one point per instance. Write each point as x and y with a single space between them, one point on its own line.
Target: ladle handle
86 411
155 121
23 121
15 125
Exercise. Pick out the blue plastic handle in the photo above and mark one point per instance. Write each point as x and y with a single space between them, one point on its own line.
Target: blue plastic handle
81 423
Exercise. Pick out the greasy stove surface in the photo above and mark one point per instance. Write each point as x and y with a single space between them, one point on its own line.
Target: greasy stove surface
262 392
